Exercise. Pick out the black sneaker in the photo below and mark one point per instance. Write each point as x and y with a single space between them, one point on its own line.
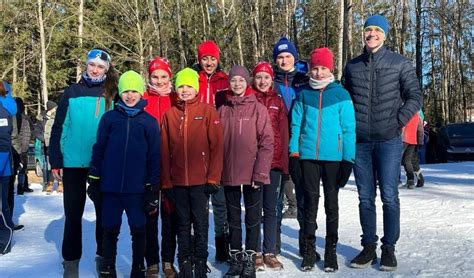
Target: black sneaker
421 180
236 264
18 227
185 269
248 269
27 190
388 261
366 257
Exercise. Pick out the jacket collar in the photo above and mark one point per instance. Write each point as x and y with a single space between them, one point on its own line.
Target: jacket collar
180 104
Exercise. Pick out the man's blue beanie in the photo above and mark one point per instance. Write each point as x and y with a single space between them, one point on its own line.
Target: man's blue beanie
284 45
379 21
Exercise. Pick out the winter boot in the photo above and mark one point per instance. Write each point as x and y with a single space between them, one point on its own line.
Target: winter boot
388 261
310 256
200 268
420 179
60 188
366 257
272 262
248 270
236 264
222 249
410 184
107 269
49 188
259 264
186 268
71 269
168 270
330 257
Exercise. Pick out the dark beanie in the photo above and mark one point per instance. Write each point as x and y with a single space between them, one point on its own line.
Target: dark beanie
240 71
284 45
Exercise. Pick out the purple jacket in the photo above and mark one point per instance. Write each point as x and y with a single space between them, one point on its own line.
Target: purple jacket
248 141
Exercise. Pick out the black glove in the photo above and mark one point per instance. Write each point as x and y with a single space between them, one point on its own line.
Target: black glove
152 199
93 191
212 188
285 177
345 170
169 193
257 184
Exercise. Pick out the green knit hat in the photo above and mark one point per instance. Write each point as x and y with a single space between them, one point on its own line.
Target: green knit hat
187 76
131 81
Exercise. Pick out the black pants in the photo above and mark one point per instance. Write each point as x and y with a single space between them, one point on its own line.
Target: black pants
253 216
297 178
268 202
410 161
169 233
74 199
192 208
152 247
11 192
313 171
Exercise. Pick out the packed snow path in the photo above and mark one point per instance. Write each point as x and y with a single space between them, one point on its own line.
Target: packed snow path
437 233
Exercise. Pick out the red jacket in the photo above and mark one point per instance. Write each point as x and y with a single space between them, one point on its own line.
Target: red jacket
248 141
191 145
409 132
157 105
213 88
279 117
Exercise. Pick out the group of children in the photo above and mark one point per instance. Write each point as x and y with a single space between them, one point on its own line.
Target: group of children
212 135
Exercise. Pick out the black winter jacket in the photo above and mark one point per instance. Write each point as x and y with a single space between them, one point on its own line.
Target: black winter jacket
385 93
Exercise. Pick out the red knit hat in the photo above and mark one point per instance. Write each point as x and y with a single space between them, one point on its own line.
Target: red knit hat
208 48
159 63
322 57
262 67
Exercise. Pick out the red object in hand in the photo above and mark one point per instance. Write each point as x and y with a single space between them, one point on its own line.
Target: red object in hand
168 206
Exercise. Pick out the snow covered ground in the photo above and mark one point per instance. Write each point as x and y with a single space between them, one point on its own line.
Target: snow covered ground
437 233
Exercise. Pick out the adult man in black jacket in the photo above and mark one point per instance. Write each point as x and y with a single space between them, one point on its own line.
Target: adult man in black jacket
386 94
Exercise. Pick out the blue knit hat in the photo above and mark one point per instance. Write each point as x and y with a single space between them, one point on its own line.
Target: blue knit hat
284 45
377 21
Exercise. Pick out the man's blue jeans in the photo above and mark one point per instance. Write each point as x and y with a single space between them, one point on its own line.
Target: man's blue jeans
379 161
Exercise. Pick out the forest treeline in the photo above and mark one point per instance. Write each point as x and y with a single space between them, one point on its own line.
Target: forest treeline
44 43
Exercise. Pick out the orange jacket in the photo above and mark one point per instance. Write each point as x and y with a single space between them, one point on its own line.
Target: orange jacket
192 145
409 132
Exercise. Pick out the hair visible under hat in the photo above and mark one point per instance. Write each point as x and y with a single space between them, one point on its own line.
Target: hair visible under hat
208 48
263 66
240 71
159 63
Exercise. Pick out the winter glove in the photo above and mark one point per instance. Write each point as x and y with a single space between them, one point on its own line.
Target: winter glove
212 188
257 184
345 170
168 206
93 191
169 194
152 199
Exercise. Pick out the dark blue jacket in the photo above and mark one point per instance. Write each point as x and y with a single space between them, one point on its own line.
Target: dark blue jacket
288 84
126 155
385 93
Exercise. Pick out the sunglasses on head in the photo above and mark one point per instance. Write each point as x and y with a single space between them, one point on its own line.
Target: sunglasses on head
98 53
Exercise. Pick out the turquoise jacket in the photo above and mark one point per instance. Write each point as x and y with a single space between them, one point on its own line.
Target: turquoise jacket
323 124
74 131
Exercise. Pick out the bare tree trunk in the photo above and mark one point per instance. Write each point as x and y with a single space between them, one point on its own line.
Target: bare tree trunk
348 38
15 60
255 33
418 47
141 46
403 32
80 25
182 60
208 17
462 78
203 17
239 45
340 51
44 80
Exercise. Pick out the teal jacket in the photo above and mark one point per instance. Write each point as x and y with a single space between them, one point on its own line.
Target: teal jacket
74 131
323 124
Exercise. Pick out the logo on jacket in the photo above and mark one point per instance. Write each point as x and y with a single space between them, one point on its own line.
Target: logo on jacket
198 117
274 107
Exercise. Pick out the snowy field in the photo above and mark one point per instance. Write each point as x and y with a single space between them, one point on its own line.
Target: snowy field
437 233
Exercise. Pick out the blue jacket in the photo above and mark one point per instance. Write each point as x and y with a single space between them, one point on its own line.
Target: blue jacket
8 109
126 155
75 126
323 124
288 84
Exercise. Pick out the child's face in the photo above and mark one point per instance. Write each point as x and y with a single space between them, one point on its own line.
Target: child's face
186 92
262 81
238 84
209 64
285 61
160 79
320 72
130 98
